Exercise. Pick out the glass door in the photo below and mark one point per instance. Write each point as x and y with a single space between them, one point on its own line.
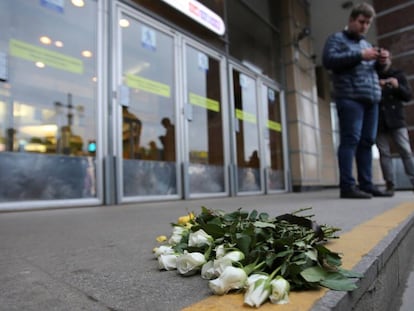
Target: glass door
205 164
146 110
247 155
273 138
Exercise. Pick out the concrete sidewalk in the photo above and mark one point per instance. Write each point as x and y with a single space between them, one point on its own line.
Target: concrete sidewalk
100 258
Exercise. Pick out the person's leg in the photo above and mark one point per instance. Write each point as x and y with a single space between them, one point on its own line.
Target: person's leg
350 114
364 149
401 139
387 167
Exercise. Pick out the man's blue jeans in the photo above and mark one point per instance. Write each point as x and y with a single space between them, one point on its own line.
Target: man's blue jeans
358 128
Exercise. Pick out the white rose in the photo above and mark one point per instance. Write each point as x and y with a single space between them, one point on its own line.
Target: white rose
221 264
199 238
189 263
208 272
280 290
234 256
163 250
258 290
231 278
167 262
177 235
220 251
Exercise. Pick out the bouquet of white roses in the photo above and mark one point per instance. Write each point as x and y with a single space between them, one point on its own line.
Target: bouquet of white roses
263 256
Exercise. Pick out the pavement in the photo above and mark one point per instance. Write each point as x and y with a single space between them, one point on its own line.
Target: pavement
100 258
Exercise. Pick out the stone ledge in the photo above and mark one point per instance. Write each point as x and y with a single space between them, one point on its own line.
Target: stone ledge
388 259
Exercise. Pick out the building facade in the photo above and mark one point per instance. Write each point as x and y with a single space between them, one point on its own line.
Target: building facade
110 102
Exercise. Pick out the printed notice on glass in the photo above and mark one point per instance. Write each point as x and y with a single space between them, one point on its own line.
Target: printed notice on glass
202 61
54 5
271 95
148 38
3 66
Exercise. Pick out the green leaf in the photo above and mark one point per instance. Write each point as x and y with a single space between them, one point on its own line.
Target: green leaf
261 224
300 244
264 216
214 230
333 259
253 215
339 284
314 274
284 253
350 273
312 254
243 243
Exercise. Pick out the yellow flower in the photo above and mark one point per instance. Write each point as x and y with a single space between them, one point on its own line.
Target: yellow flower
185 219
161 238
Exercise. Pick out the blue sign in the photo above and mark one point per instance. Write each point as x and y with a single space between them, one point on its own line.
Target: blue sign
55 5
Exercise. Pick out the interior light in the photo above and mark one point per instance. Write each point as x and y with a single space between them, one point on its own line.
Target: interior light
124 22
40 65
45 40
86 53
44 130
35 147
138 68
78 3
59 44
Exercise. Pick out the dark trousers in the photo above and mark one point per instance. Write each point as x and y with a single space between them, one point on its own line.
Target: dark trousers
358 128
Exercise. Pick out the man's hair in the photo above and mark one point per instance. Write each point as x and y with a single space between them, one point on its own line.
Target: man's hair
364 9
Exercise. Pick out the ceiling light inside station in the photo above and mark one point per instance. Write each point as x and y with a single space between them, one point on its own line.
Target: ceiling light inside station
40 65
78 3
123 22
45 40
86 53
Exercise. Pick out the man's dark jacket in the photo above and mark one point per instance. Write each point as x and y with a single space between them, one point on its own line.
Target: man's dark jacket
391 115
353 78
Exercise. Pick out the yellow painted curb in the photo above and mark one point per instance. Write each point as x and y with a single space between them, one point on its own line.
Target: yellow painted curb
349 244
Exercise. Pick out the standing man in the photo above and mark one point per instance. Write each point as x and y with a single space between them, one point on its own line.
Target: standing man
391 124
354 64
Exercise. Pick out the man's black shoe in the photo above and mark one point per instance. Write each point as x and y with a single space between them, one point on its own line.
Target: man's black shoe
355 193
390 188
378 193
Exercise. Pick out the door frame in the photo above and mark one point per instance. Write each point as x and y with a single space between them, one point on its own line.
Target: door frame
233 121
264 82
188 42
181 42
260 81
118 10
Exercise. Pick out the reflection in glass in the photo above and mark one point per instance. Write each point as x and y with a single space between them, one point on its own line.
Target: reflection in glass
247 132
148 113
205 129
258 45
273 139
45 98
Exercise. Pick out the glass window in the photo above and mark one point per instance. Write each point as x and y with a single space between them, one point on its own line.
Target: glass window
205 130
47 98
247 132
273 138
148 118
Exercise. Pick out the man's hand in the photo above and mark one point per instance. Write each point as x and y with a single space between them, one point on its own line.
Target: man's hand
370 53
390 82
